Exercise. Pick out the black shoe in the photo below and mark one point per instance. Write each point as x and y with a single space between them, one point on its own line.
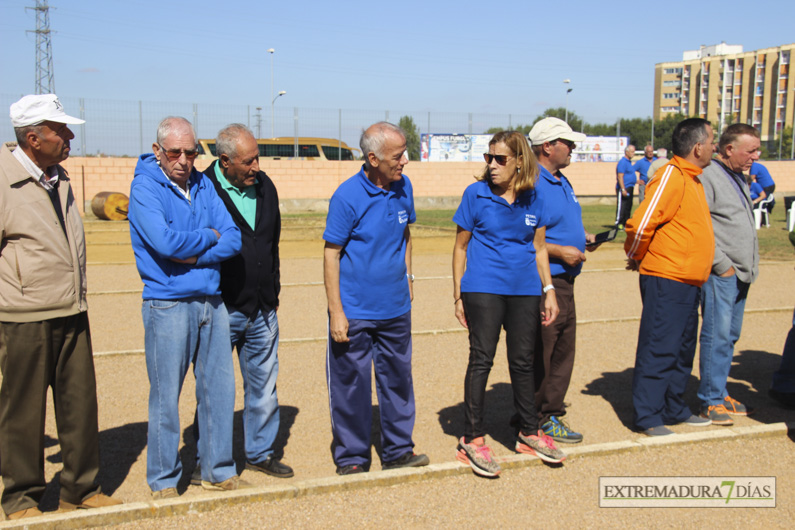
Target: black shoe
352 469
407 460
271 466
785 399
196 476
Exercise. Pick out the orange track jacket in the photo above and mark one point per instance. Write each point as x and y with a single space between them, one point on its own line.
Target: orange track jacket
671 231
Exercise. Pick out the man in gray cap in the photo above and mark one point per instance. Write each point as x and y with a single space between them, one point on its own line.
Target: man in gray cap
44 333
552 142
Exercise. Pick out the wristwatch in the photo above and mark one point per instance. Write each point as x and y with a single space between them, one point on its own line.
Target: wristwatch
548 288
410 277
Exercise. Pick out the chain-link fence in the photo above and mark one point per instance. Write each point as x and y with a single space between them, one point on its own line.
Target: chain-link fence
127 128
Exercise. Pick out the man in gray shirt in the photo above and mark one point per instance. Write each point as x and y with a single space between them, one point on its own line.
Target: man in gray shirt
734 268
660 161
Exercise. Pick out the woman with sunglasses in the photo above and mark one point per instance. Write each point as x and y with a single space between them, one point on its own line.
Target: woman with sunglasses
500 268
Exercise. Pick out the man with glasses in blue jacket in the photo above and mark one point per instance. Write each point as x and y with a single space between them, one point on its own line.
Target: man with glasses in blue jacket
181 232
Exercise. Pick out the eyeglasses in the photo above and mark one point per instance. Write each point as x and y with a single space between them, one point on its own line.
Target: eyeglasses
501 159
174 154
567 143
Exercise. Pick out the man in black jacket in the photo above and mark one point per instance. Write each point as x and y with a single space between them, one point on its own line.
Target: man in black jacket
250 288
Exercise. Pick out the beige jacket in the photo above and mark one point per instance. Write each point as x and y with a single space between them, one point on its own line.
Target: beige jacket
42 273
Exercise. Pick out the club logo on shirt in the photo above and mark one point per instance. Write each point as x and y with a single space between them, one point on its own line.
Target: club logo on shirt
403 216
530 219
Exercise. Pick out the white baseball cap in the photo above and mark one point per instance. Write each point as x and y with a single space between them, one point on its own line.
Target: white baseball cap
550 129
35 109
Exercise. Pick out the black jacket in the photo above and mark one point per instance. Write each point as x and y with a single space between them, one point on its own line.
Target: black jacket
250 280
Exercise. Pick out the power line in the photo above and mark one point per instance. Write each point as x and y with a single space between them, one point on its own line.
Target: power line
45 83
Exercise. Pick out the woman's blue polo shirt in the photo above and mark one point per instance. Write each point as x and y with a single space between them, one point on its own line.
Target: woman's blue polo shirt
501 258
369 224
564 218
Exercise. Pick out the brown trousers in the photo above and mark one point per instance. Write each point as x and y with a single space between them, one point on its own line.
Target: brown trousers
554 356
34 356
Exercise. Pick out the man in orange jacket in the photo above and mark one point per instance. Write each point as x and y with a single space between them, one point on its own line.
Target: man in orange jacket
670 242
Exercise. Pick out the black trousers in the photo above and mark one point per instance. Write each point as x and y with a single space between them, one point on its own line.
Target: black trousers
486 315
624 206
34 356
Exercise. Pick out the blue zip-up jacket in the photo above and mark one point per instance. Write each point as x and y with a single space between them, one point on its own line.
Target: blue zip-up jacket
165 225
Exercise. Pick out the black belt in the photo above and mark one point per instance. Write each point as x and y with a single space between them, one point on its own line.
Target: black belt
568 278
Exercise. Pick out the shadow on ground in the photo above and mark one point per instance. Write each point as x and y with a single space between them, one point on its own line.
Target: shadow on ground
756 368
187 453
496 417
616 389
119 448
752 366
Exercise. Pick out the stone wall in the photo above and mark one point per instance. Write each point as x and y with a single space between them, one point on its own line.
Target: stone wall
307 185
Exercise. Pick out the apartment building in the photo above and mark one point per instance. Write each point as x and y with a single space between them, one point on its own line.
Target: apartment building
725 85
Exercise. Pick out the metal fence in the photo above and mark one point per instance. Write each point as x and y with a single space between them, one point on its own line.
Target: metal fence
127 128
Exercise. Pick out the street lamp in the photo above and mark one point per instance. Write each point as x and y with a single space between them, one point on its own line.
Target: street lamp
281 93
566 82
271 51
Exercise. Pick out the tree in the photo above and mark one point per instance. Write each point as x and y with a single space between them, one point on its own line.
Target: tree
524 129
412 136
664 129
575 121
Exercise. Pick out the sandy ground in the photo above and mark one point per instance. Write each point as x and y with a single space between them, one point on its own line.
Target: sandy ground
608 304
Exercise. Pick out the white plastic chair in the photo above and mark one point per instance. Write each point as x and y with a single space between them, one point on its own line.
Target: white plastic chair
764 215
791 217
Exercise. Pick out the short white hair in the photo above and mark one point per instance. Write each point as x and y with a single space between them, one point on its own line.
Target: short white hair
168 125
374 141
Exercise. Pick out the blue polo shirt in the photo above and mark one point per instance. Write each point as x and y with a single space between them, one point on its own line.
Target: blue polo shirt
642 167
501 258
369 224
762 175
626 167
756 190
564 218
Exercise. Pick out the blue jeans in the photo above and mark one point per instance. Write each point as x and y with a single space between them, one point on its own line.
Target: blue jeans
257 340
722 307
178 332
784 377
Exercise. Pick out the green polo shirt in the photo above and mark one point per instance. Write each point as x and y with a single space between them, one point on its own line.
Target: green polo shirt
245 200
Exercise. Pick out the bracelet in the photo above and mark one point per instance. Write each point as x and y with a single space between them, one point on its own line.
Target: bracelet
548 288
456 300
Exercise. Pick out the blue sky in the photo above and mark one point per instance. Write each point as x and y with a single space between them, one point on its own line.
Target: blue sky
441 56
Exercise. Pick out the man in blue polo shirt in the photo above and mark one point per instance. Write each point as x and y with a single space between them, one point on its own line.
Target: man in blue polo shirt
762 177
367 273
553 141
642 167
625 184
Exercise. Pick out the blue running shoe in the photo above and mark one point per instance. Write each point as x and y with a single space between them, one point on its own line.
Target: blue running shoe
557 429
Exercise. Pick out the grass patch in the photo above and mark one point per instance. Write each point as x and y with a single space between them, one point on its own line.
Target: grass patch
773 241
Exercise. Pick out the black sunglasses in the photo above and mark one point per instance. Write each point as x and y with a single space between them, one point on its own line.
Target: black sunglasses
501 159
567 143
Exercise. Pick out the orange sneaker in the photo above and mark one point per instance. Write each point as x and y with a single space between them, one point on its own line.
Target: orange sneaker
735 408
718 414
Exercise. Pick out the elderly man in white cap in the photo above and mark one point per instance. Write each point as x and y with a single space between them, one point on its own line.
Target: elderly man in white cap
552 141
44 334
